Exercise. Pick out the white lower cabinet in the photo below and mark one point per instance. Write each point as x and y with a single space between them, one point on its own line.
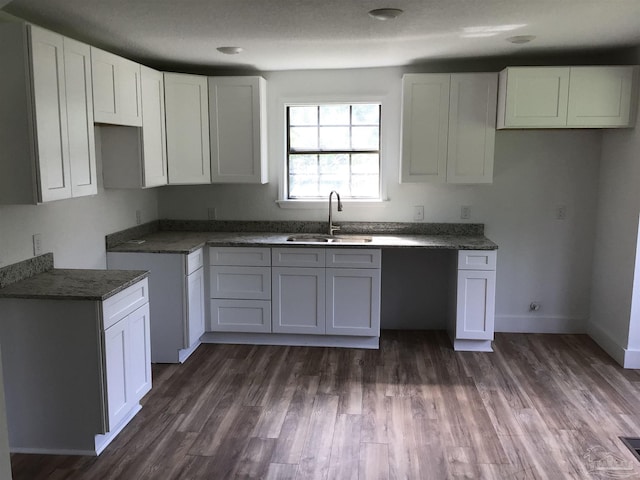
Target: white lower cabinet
353 301
298 300
177 303
88 365
472 324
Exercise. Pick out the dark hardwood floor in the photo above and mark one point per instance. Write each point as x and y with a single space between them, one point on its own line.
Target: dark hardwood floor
540 406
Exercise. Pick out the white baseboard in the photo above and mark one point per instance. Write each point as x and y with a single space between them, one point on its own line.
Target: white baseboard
186 352
631 359
607 343
53 451
103 441
291 340
539 324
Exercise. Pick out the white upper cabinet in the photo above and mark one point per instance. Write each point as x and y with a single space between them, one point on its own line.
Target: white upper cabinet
137 157
448 127
116 89
567 97
237 114
187 118
47 147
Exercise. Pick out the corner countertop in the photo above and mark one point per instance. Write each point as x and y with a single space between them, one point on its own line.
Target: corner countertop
187 242
73 284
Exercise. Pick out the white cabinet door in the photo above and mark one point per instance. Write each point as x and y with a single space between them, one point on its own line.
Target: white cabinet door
425 119
154 147
601 96
472 127
119 397
237 114
353 301
298 301
246 316
187 122
79 95
116 89
139 344
49 98
475 304
534 97
195 307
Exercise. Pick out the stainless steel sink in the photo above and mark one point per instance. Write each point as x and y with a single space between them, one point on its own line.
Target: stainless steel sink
318 238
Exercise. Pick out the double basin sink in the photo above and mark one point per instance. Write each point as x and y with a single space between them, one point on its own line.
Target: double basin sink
319 238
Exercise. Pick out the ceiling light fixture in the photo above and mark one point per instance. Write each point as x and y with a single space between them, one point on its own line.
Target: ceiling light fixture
385 13
230 50
519 39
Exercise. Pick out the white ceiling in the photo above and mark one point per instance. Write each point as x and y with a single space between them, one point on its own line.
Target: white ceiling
302 34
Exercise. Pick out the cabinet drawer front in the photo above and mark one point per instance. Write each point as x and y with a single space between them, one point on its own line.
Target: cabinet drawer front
195 260
125 302
253 257
477 259
241 316
241 282
353 258
298 257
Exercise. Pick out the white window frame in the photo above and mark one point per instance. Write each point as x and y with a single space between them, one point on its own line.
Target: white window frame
281 134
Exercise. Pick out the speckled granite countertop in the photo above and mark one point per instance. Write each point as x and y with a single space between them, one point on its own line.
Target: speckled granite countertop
187 242
73 284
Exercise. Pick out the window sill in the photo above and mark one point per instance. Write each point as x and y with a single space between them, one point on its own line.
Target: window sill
322 204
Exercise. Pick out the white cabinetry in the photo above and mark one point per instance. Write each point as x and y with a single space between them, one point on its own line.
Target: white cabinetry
177 302
472 324
326 291
448 127
240 289
137 157
567 97
116 89
237 115
46 119
88 367
187 123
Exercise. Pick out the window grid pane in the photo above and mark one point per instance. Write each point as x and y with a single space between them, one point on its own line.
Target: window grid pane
333 147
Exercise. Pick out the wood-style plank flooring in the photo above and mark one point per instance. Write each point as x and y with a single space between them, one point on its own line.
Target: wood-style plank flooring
539 407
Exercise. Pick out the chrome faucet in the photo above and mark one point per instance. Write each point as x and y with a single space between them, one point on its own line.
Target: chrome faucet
332 227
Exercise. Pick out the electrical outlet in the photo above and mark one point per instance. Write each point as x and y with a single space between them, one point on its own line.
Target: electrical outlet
561 212
465 212
37 244
211 213
138 217
418 213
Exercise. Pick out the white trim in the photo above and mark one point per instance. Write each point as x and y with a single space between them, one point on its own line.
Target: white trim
284 339
631 358
606 342
321 204
539 324
185 353
103 441
54 451
463 345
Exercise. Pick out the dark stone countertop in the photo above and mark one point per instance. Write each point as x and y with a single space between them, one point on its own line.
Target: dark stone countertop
73 284
187 242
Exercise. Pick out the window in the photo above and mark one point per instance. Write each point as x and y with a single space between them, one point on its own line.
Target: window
333 147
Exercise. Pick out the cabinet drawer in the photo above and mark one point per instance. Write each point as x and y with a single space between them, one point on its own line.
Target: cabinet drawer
195 260
241 282
298 257
242 256
241 316
123 303
477 259
353 258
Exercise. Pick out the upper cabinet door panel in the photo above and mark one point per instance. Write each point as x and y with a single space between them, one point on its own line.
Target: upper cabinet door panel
129 97
237 108
425 119
187 118
536 96
52 141
104 67
82 151
153 128
472 127
601 96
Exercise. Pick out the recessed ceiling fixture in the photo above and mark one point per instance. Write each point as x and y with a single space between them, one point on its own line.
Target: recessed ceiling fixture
519 39
385 13
230 50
